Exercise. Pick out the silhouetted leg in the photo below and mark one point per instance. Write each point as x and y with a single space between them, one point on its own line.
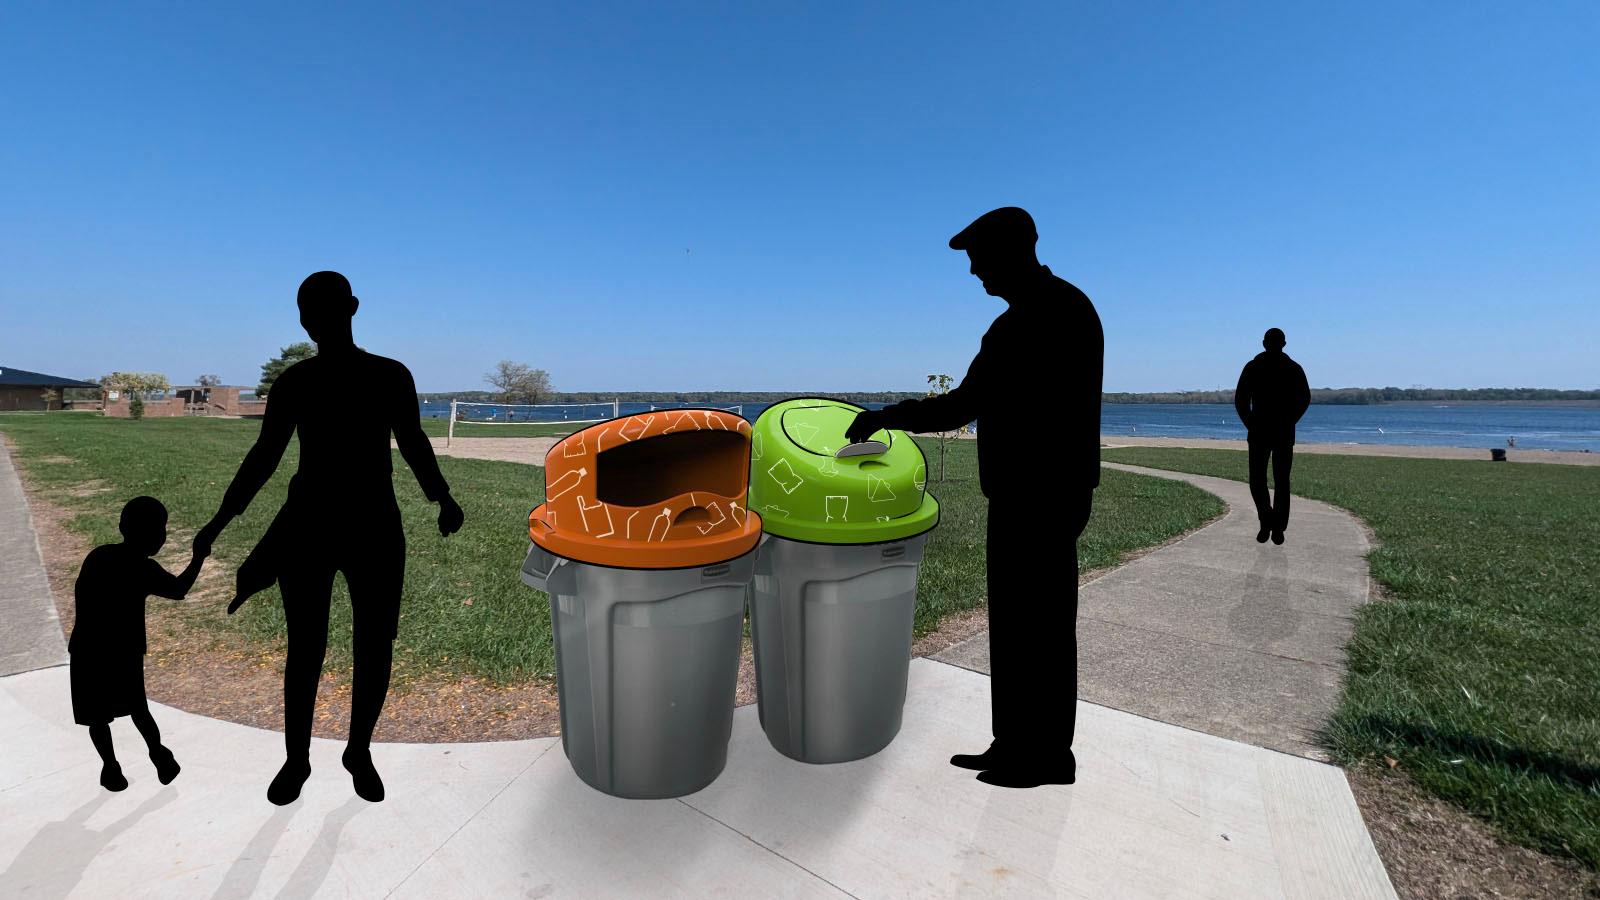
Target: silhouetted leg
167 767
1005 666
1260 451
306 588
1064 626
1033 628
1282 462
373 662
110 770
1033 646
375 584
148 729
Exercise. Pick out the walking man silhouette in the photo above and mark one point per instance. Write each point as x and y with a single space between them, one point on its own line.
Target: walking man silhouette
1049 335
1271 397
340 515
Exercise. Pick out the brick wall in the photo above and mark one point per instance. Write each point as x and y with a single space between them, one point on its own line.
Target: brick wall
222 400
171 406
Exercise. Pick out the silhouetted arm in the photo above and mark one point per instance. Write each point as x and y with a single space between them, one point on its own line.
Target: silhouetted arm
406 422
945 412
1302 398
1241 396
174 587
277 426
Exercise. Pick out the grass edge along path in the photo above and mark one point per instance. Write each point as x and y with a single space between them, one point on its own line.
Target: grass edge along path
465 609
1478 672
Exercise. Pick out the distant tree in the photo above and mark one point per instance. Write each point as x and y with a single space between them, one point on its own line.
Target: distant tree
937 386
136 384
136 407
519 382
287 356
208 380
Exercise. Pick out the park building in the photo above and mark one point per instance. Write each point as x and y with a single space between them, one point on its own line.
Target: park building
24 390
188 400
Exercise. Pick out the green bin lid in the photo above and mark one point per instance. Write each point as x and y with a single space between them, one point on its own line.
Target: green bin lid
805 492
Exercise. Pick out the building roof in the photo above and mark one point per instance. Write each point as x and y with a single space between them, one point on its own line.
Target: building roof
10 377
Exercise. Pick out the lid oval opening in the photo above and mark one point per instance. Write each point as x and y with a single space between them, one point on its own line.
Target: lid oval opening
655 470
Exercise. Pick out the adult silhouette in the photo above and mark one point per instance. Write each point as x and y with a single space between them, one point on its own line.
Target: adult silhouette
1271 397
340 516
1048 340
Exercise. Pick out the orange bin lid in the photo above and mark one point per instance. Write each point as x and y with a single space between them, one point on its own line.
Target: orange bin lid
657 490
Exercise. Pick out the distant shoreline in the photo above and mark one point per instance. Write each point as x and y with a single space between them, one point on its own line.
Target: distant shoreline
1407 451
1219 398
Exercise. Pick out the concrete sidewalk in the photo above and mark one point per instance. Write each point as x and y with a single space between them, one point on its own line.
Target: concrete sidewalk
1218 633
1158 811
30 631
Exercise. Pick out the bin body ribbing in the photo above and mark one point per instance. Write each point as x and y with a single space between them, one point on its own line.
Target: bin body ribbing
831 628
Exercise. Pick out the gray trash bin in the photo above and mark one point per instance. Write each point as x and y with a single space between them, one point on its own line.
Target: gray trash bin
646 550
647 663
835 589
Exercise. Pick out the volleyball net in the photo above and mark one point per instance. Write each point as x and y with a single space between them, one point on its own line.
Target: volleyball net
525 419
474 419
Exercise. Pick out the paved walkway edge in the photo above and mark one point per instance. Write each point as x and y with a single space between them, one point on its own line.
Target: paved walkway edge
30 630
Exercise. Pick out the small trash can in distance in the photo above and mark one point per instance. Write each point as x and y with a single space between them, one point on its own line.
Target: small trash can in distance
645 546
835 589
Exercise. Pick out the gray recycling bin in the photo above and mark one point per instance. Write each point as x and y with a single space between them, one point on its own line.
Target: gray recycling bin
645 548
834 594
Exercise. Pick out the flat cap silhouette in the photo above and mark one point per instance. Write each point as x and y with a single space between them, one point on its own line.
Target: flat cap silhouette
1008 225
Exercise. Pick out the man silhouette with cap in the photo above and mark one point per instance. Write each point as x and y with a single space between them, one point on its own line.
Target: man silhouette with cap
340 516
1271 397
1048 336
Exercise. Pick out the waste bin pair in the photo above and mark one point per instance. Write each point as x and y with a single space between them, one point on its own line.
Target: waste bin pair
657 530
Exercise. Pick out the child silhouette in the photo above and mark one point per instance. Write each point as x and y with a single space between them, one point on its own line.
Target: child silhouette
108 639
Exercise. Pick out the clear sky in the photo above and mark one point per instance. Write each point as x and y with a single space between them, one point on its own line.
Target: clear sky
640 199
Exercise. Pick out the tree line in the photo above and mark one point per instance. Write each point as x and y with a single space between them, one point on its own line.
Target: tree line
713 398
516 382
1354 396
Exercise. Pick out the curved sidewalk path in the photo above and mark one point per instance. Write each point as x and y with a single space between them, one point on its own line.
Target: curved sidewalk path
1218 633
1159 811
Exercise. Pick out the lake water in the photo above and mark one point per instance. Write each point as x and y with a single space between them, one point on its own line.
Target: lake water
1443 425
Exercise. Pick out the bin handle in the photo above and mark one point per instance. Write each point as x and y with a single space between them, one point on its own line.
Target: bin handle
556 562
861 448
714 571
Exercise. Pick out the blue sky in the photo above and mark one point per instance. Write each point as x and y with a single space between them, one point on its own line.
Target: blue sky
640 199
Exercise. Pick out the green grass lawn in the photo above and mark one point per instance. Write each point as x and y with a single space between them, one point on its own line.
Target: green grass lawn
1481 674
465 609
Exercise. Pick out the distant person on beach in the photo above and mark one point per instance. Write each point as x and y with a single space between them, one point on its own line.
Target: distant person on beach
107 645
340 516
1511 441
1271 397
1048 334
